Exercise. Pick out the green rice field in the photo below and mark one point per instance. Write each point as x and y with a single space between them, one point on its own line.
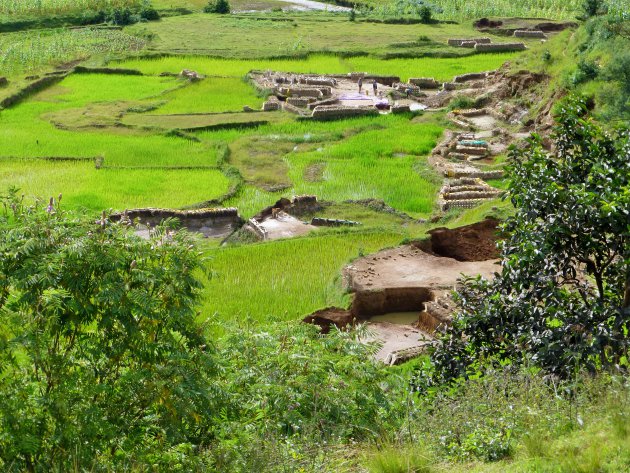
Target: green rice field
286 279
440 68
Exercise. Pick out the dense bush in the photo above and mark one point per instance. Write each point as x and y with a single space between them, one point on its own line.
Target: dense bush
217 6
101 358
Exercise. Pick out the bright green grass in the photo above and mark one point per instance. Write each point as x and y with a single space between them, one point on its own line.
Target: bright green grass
285 279
25 133
80 89
377 159
392 180
213 94
375 164
82 185
440 68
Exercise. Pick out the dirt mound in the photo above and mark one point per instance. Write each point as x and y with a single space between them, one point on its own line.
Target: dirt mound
476 242
486 23
554 27
329 317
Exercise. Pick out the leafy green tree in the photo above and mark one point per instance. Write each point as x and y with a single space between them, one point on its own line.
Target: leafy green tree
561 300
425 14
592 8
100 355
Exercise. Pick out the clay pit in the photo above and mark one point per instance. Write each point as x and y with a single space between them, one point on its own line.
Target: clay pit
404 294
211 223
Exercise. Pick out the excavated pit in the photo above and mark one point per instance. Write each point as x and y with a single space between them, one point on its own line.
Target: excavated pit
404 294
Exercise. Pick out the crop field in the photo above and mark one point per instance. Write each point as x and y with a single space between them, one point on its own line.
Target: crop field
286 279
274 35
115 119
24 53
97 189
9 7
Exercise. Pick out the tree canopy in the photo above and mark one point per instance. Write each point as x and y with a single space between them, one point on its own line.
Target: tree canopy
99 349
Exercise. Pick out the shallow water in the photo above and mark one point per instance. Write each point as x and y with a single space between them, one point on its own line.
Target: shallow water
400 318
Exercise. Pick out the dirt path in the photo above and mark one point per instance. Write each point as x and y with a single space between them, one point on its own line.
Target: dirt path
306 5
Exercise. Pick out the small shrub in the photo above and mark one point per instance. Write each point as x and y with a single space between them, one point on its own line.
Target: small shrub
353 15
149 14
461 102
546 56
425 14
586 71
219 6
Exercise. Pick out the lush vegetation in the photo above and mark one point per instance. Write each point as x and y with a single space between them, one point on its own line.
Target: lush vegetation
473 9
178 353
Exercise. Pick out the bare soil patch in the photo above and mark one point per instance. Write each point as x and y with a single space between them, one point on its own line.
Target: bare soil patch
284 225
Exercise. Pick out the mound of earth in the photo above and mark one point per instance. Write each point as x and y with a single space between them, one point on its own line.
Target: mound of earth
410 267
329 317
476 242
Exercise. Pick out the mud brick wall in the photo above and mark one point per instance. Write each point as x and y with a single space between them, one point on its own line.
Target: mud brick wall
459 42
323 112
425 82
529 34
394 299
500 47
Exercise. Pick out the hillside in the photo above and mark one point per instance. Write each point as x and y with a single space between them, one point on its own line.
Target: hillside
335 236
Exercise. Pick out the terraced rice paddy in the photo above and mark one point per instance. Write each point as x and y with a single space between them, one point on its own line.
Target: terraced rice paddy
83 186
101 117
285 279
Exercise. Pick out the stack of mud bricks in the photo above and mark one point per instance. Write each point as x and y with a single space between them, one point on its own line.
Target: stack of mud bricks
468 43
257 229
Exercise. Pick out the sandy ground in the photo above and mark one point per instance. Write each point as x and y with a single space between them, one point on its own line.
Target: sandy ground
394 337
484 122
285 226
408 266
306 5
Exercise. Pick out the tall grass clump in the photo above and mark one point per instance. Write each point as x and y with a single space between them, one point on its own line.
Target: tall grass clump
40 7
